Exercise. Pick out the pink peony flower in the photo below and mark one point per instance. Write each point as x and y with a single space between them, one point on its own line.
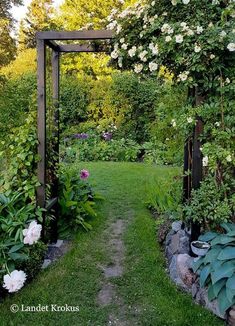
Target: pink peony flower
84 174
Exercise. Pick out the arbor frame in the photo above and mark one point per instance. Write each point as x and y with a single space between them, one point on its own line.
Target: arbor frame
44 40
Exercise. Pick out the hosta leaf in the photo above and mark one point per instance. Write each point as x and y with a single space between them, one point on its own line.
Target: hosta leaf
222 239
228 226
227 253
231 233
204 275
218 286
197 264
230 294
211 292
225 270
212 254
231 282
207 236
216 264
223 301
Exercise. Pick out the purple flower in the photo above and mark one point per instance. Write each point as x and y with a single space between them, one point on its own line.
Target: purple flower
81 136
107 135
84 174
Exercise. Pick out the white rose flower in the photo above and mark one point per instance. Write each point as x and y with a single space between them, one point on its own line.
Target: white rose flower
217 124
124 46
179 38
183 76
153 3
119 28
189 119
165 28
184 26
153 66
212 56
173 122
14 281
142 56
33 233
168 38
199 29
120 59
227 80
197 48
223 34
114 54
154 48
138 68
190 32
229 158
174 2
215 2
132 51
205 161
122 40
185 2
231 47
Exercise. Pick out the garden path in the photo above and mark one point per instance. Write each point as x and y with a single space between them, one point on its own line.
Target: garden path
115 273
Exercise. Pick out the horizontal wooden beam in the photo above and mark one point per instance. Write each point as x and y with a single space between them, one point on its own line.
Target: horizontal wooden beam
53 45
76 35
81 48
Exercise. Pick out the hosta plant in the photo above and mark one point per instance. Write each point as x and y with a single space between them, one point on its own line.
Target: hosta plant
217 268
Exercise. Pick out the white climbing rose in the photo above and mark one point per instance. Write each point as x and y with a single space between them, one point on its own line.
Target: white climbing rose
168 38
153 66
185 2
14 281
132 51
199 29
205 161
173 122
183 76
114 54
229 158
231 47
32 233
142 56
190 119
197 48
179 38
138 68
174 2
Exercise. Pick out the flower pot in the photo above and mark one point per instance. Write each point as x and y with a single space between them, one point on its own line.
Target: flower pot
200 248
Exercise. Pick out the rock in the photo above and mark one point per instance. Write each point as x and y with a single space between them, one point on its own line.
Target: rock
176 226
184 263
174 275
195 288
46 263
184 245
231 316
202 298
58 244
169 254
174 244
169 236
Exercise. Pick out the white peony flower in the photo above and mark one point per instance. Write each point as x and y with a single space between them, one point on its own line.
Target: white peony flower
33 233
114 54
190 119
185 2
229 158
197 48
168 38
179 38
14 281
205 161
173 122
199 29
153 66
138 68
132 51
231 47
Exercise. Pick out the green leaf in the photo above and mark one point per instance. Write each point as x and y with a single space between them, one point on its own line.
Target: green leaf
225 270
204 275
211 293
197 264
227 253
228 226
207 236
16 256
230 294
231 282
212 254
218 286
16 248
223 301
222 239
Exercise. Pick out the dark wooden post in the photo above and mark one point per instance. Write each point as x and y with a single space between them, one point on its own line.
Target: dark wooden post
55 181
187 179
41 116
196 170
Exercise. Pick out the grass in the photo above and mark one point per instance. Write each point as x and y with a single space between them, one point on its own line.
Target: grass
75 280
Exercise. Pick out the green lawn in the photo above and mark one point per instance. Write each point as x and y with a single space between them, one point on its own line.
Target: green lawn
147 293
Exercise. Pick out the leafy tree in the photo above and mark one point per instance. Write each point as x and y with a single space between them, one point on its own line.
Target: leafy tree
5 6
39 18
7 43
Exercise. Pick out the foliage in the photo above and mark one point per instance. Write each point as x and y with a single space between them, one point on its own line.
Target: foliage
14 215
7 43
76 201
5 7
22 160
208 205
216 268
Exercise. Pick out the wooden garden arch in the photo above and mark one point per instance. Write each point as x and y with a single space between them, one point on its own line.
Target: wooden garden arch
50 39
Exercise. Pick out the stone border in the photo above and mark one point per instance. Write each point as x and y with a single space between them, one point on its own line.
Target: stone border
177 251
55 251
